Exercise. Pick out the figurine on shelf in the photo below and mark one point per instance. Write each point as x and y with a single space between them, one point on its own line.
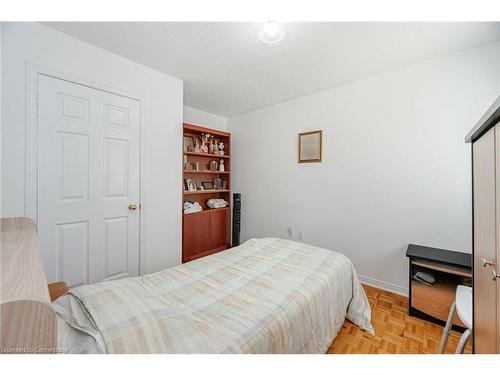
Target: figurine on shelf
197 147
189 185
213 166
204 137
218 183
221 165
216 148
221 148
210 147
204 140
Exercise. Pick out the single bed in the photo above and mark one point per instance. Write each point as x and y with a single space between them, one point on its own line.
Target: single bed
265 296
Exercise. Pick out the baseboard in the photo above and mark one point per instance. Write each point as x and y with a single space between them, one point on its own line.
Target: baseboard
402 291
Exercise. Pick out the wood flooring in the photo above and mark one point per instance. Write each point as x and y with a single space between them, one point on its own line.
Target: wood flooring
396 332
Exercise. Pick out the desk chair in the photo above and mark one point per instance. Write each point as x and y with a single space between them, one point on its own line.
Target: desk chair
463 307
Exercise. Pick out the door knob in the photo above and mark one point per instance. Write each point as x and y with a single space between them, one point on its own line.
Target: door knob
494 275
132 207
486 262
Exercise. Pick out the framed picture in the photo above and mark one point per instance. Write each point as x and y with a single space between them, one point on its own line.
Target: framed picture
188 144
207 185
310 144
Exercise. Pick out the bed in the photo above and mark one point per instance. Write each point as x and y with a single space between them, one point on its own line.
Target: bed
265 296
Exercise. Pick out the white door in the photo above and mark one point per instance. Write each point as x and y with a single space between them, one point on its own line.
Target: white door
88 175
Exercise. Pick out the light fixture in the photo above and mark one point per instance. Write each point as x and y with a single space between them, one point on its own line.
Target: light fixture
272 33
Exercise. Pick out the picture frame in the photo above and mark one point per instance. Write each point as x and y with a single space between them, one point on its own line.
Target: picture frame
207 185
188 144
310 147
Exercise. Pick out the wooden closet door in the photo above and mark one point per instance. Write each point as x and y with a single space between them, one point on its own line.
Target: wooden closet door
484 243
497 263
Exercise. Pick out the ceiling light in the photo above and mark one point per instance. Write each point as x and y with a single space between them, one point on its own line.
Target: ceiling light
272 33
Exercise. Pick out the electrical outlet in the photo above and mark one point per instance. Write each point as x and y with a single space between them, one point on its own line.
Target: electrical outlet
290 231
301 235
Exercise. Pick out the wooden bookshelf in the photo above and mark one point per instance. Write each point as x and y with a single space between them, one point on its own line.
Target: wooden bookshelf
208 231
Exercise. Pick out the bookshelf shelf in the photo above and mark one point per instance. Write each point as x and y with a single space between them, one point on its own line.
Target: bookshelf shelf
196 192
203 155
206 172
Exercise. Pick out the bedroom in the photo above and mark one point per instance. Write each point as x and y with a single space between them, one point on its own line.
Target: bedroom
351 144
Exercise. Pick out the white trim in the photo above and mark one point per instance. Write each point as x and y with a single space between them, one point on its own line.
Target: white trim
402 291
31 176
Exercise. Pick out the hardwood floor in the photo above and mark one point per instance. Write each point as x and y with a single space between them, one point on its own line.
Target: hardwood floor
396 332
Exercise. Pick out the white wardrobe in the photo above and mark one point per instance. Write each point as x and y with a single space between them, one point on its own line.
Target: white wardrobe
485 139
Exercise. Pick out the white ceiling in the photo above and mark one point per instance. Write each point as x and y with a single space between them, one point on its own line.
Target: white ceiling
228 71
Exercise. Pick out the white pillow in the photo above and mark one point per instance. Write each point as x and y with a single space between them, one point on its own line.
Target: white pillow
75 332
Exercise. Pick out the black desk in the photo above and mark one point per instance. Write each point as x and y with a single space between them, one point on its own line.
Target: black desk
450 269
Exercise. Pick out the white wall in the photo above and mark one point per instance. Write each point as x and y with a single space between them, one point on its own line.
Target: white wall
162 123
197 117
395 171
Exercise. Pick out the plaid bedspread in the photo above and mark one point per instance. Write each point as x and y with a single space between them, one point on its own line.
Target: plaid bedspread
265 296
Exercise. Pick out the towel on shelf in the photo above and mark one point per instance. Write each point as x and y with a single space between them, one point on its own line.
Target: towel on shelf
192 207
216 203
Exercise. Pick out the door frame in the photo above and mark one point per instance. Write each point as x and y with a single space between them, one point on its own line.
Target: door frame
31 156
